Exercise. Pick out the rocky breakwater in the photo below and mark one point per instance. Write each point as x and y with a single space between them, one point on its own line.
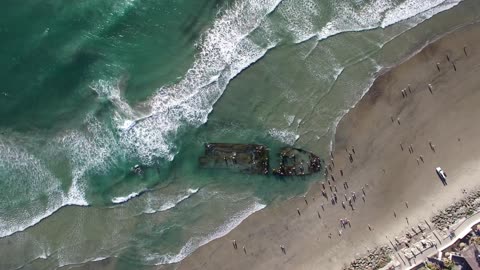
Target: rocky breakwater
458 210
376 259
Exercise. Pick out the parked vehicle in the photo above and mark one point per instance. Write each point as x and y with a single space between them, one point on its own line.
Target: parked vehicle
441 174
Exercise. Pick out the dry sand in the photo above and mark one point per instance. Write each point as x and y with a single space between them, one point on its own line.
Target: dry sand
449 117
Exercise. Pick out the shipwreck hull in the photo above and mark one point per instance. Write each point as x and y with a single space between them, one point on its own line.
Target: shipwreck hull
254 159
297 162
246 158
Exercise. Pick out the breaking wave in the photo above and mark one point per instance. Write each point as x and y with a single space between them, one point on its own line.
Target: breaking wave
284 136
352 17
224 52
126 198
196 242
230 46
154 206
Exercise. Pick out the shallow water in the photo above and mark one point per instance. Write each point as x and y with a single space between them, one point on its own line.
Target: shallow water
90 89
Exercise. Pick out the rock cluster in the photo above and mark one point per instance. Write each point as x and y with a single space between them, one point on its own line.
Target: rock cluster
458 210
380 257
376 259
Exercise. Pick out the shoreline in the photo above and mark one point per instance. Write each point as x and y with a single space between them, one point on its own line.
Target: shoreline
277 213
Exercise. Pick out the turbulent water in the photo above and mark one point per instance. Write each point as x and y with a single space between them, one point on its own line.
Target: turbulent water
91 88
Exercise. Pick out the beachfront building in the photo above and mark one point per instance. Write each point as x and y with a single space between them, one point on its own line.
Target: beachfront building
463 254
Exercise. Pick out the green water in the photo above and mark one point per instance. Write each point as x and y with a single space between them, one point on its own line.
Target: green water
77 76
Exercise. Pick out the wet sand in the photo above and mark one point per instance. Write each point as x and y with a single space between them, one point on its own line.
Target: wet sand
392 178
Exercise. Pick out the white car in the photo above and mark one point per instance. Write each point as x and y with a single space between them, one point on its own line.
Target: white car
441 173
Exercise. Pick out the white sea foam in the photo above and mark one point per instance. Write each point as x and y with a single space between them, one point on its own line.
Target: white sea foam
25 179
92 150
111 90
300 17
99 259
284 136
92 259
197 242
411 8
225 50
126 198
170 203
289 118
350 16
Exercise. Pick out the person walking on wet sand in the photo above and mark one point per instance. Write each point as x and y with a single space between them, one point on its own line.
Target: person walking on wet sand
298 211
432 146
283 249
234 242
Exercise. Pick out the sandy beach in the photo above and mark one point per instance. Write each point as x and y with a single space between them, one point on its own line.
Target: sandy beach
438 122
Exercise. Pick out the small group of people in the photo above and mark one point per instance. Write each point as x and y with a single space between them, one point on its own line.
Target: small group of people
344 222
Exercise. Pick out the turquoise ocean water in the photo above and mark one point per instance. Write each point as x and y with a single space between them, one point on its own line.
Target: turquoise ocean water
91 88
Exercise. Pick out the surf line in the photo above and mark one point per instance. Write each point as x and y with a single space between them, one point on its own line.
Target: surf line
122 200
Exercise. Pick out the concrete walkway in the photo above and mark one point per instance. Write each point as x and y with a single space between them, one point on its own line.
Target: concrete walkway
460 231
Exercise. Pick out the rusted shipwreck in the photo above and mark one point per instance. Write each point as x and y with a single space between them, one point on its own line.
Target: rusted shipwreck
247 158
294 161
254 159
